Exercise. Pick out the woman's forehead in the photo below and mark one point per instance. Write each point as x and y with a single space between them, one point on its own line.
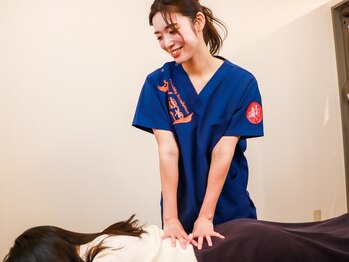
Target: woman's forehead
160 23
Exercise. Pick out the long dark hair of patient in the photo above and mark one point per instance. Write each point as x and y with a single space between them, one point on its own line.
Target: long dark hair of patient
54 244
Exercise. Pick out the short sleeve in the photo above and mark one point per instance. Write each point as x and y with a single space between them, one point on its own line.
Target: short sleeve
247 118
151 111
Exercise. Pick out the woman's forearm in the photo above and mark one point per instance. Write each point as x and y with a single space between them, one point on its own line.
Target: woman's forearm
169 184
222 156
217 176
168 160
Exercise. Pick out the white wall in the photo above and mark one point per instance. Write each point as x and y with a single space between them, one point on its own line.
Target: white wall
70 75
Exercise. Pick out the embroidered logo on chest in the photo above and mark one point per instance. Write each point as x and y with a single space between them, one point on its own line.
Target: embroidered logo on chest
177 107
254 113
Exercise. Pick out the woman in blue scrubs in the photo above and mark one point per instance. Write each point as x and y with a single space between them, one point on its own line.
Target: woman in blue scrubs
201 108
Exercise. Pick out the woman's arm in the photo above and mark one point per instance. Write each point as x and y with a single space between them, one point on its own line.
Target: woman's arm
222 155
168 159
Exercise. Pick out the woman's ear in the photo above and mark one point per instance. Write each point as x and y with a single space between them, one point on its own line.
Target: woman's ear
200 21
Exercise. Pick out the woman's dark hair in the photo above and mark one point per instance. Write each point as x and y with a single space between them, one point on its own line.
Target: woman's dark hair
190 8
54 244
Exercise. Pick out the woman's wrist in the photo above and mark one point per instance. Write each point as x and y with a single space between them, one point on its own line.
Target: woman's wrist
208 215
170 218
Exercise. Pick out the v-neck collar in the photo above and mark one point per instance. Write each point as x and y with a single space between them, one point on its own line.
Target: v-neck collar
211 83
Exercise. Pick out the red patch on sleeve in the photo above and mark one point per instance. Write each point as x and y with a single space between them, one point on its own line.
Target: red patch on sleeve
254 113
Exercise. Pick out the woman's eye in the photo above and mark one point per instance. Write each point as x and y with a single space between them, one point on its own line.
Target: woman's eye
174 31
159 38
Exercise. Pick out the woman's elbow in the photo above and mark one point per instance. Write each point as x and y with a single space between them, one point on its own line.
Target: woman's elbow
222 153
169 151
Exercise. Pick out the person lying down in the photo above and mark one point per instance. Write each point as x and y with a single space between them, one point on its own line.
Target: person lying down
245 240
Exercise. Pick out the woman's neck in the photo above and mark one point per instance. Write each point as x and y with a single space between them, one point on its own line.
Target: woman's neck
202 65
201 69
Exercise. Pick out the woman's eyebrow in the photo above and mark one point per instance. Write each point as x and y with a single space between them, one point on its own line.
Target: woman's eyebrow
167 27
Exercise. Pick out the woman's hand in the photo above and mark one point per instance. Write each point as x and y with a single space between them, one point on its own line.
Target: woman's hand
173 229
203 228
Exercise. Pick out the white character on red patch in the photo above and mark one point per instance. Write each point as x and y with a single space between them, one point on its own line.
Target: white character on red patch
254 113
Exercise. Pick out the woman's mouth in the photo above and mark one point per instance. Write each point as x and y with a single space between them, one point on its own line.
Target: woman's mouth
175 52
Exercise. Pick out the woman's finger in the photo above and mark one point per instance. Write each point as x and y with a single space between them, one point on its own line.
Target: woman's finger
164 236
200 241
183 242
216 234
173 241
194 242
209 240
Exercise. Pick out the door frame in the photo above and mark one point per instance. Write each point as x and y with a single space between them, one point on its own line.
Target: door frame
340 11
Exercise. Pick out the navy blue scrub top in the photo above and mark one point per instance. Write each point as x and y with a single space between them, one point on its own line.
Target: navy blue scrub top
229 105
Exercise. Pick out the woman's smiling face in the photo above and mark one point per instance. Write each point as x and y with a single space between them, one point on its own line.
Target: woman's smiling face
179 37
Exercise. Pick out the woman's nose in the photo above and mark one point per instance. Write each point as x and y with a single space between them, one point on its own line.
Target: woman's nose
168 41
